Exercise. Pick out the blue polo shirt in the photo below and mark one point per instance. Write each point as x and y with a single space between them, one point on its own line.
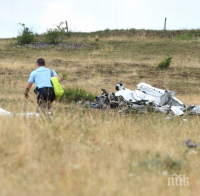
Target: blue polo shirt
41 77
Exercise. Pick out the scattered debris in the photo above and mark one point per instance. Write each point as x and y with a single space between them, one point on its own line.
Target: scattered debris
192 152
105 100
145 99
94 105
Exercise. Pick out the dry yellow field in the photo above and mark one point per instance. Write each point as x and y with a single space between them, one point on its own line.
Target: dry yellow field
90 152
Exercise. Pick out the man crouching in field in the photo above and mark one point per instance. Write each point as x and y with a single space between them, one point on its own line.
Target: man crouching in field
44 89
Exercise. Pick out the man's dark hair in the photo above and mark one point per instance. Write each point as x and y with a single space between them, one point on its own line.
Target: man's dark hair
41 62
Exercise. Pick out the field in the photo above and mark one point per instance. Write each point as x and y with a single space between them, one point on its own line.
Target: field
82 151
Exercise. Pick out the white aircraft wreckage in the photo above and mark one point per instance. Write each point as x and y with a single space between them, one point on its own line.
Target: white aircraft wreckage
145 99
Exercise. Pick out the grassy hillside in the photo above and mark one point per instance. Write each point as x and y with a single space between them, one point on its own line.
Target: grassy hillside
91 152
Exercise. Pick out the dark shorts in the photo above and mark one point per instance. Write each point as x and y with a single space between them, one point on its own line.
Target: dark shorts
45 96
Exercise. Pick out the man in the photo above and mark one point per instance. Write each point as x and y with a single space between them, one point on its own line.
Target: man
44 89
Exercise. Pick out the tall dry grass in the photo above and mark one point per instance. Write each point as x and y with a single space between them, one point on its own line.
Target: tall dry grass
87 152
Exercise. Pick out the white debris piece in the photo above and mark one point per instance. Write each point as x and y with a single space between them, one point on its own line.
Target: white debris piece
4 112
176 102
32 114
126 94
176 111
194 109
7 113
161 97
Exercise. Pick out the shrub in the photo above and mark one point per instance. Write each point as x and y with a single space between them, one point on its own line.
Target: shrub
55 35
97 38
26 36
64 76
186 36
76 94
165 64
157 163
171 165
132 31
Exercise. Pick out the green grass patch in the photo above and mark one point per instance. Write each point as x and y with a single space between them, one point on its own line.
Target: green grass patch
76 94
165 64
156 163
186 36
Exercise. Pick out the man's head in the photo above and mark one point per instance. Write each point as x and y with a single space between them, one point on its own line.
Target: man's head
41 62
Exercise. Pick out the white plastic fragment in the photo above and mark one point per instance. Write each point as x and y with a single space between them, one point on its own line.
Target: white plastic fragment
176 111
168 118
126 94
32 114
4 112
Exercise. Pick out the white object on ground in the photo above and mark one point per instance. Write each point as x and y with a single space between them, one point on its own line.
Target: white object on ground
32 114
126 94
7 113
4 112
176 111
195 109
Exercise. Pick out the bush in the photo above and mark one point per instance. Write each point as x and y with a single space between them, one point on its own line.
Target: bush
132 31
64 76
165 64
26 36
97 39
54 36
157 163
76 94
186 36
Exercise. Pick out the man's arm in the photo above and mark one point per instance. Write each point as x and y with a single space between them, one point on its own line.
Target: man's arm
27 89
56 75
59 79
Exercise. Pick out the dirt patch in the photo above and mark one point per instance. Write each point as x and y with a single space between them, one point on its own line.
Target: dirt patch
58 62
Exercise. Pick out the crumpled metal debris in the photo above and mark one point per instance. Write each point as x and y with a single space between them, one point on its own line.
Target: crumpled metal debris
145 99
105 100
194 109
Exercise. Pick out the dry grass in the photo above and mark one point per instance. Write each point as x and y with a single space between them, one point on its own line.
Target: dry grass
91 152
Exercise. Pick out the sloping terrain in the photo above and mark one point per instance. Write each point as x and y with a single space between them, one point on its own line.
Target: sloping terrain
91 152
